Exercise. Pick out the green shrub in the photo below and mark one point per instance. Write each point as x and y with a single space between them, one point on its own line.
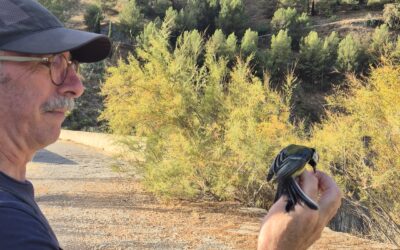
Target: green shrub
106 4
327 7
220 46
171 18
280 56
288 19
231 16
93 17
395 54
317 58
391 15
380 44
249 43
231 47
284 19
131 18
311 59
196 14
216 44
330 49
160 6
349 54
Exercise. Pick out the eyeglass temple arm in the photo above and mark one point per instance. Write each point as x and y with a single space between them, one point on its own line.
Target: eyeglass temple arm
23 59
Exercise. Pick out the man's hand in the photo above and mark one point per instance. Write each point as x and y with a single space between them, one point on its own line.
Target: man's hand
300 228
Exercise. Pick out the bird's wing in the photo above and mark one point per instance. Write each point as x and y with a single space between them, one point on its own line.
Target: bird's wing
289 166
273 169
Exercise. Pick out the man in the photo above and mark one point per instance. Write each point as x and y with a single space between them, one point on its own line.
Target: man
38 84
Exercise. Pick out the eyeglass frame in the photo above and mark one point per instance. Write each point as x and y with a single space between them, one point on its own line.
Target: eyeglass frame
46 61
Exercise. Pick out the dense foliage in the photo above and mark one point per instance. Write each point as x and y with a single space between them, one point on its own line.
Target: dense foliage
359 149
211 130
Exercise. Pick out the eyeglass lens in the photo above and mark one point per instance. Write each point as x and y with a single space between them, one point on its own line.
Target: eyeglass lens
59 68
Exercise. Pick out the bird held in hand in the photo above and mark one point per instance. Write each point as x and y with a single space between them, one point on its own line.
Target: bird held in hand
289 164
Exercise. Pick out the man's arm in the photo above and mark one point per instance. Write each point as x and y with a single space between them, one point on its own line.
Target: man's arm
300 228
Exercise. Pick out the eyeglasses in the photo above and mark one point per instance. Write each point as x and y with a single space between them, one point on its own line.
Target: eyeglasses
58 65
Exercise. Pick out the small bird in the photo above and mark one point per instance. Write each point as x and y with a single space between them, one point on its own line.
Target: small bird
289 164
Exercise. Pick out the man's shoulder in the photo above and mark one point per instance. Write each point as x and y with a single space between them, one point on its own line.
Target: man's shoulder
20 227
13 203
14 209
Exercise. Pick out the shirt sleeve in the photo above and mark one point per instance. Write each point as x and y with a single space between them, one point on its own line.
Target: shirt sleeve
21 230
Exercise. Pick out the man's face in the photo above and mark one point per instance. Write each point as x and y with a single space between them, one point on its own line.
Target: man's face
30 110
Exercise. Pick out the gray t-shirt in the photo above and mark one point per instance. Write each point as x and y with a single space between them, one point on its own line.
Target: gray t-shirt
22 224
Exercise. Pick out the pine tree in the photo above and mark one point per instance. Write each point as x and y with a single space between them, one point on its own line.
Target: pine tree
131 18
280 56
311 58
288 19
249 42
231 16
349 55
380 44
231 47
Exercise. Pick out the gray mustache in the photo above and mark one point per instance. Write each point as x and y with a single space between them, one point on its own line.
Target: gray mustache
59 103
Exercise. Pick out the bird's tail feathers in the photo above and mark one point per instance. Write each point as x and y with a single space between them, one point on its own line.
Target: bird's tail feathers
294 195
303 196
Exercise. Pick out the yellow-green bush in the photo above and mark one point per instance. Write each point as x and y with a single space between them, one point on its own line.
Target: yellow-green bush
360 148
211 130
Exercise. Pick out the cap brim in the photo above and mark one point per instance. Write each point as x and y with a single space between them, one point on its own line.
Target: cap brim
84 46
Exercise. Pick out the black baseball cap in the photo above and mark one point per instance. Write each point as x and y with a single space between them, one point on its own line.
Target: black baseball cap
28 27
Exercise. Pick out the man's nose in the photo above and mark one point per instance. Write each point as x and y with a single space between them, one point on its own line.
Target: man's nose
72 86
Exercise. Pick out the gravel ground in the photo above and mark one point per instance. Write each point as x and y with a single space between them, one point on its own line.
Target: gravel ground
92 207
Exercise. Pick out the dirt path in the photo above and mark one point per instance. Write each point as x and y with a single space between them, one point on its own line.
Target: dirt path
91 207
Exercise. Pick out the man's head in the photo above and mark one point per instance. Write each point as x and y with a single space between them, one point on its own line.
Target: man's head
27 27
38 71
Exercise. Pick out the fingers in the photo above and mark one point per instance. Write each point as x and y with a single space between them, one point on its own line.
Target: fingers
330 198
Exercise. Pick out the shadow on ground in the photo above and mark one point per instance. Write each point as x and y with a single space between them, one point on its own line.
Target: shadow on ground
45 156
